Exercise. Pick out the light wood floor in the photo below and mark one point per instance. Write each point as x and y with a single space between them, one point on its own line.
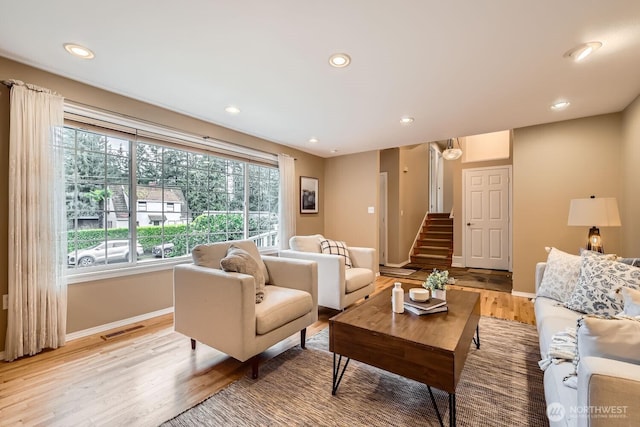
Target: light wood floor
148 376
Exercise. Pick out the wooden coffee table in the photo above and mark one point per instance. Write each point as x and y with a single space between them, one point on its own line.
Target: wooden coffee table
430 349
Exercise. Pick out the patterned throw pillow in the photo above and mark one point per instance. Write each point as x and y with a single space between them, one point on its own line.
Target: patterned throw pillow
560 275
598 286
334 247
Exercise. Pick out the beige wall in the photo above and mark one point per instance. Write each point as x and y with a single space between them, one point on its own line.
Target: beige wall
95 303
456 167
414 195
553 164
390 163
352 183
630 180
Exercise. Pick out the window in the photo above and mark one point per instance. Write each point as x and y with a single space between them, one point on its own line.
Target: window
133 200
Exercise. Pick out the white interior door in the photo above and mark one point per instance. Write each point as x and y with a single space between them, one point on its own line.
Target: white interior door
436 174
486 214
382 220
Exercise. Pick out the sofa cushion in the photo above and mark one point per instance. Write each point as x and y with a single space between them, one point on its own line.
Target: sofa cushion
357 278
240 261
281 306
334 247
617 339
560 275
209 255
306 243
598 285
631 299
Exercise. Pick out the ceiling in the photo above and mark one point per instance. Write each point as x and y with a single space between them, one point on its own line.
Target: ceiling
458 67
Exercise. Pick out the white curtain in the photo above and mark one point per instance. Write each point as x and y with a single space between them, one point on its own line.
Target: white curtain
37 228
287 207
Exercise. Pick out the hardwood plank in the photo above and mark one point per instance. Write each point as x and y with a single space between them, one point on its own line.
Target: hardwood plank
150 375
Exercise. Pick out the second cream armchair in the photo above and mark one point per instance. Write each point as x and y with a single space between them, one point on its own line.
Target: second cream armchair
338 286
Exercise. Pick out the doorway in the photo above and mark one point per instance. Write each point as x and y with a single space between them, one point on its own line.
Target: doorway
486 206
382 220
436 179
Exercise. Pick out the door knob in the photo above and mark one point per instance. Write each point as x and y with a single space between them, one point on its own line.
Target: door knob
468 224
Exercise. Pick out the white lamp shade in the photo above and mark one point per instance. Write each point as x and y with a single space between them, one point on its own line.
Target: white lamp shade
595 212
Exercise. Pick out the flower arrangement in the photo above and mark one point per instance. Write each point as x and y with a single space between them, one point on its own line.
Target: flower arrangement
437 280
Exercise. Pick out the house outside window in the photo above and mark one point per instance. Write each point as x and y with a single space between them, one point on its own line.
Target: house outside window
157 200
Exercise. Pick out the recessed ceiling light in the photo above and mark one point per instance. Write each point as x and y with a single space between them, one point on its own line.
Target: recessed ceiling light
313 140
406 120
79 51
232 110
339 60
335 150
560 105
580 52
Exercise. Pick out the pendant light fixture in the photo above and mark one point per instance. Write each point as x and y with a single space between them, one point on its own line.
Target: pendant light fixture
452 153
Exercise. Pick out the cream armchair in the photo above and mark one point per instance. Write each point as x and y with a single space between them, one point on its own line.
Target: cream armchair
338 286
219 308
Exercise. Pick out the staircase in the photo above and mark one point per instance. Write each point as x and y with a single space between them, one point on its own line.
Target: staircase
434 246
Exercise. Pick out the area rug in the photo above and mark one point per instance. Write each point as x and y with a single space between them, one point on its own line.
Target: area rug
501 385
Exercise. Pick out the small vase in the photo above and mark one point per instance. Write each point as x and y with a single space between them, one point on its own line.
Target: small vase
440 294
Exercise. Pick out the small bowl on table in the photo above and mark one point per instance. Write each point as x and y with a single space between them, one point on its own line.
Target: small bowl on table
419 294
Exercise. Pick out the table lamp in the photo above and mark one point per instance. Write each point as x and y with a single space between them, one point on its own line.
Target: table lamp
594 212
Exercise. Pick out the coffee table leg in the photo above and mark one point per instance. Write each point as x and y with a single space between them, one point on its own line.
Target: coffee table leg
337 375
476 339
433 400
452 409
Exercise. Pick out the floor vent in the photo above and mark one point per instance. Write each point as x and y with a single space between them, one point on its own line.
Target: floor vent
116 334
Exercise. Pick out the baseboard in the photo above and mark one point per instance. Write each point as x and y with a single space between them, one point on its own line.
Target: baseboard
402 264
523 294
113 325
457 261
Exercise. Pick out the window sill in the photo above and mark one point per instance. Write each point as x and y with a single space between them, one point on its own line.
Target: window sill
115 272
91 276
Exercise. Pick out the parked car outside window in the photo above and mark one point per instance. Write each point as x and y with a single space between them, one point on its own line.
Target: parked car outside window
111 251
165 249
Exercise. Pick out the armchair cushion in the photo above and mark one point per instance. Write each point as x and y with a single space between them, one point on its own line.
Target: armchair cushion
306 243
209 255
333 247
281 306
240 261
357 278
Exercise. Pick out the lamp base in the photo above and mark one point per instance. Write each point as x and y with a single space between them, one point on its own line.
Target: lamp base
595 241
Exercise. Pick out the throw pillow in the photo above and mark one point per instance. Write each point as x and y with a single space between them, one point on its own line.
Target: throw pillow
560 275
240 261
617 339
598 285
631 299
334 247
635 262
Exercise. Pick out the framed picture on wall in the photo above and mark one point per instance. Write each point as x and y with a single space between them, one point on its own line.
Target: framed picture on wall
308 195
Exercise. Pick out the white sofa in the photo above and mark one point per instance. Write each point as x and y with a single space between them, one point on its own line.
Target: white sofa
338 287
603 385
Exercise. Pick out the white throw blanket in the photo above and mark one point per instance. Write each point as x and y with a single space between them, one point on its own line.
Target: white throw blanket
561 349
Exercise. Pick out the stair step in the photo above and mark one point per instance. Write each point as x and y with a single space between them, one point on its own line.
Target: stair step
440 243
438 215
431 256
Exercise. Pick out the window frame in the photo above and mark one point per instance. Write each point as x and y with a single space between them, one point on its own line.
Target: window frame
167 137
